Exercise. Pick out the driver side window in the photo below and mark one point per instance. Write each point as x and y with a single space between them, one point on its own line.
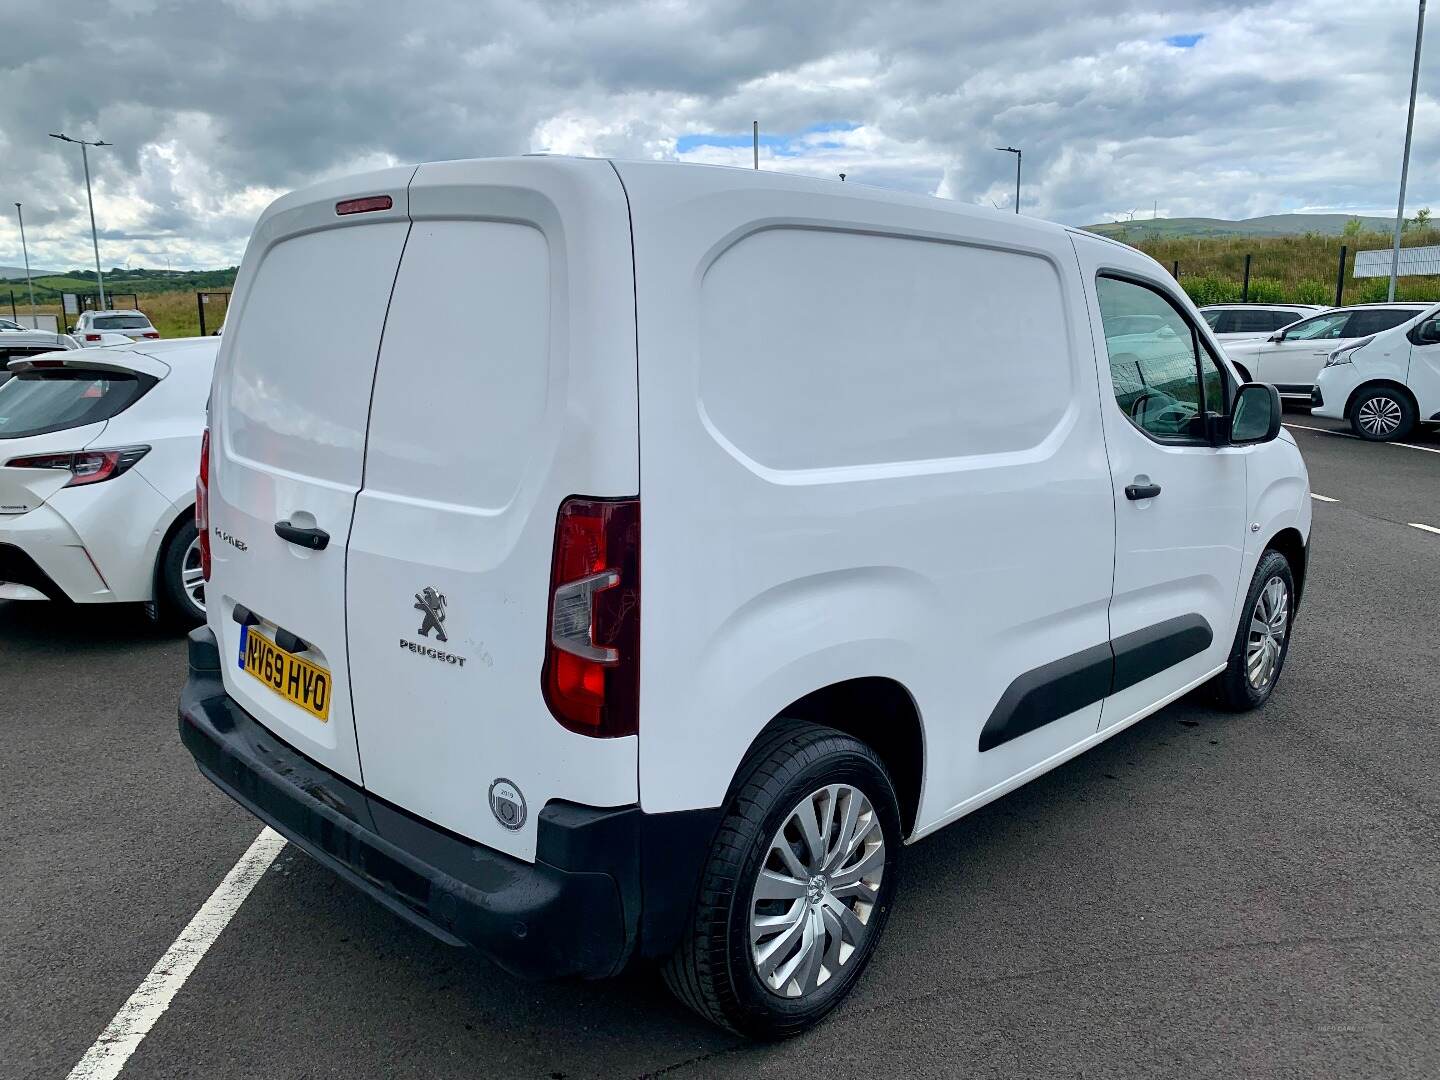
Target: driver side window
1155 362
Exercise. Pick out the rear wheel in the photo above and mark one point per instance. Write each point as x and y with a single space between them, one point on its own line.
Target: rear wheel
179 579
1263 638
797 887
1381 414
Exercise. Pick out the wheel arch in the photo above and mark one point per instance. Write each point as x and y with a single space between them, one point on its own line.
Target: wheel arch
880 712
186 515
1376 384
1289 543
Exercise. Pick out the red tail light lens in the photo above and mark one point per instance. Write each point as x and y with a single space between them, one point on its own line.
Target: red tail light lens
92 337
85 466
367 205
202 504
592 657
151 335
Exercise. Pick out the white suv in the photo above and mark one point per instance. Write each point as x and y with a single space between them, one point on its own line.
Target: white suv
765 525
1387 383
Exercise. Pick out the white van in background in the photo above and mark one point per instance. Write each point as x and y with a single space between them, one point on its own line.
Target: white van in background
763 526
1387 383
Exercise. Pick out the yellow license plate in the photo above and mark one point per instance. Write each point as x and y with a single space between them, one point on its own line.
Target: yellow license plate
296 680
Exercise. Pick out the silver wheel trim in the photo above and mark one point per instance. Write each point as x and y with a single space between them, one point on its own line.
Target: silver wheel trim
192 576
814 900
1379 415
1269 623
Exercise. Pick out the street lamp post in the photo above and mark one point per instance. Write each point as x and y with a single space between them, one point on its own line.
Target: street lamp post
94 237
1018 155
1405 160
24 248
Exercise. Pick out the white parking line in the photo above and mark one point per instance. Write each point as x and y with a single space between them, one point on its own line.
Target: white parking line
1322 498
1427 528
1348 435
105 1059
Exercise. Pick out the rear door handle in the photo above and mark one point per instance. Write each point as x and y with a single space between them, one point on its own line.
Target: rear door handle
1133 492
314 539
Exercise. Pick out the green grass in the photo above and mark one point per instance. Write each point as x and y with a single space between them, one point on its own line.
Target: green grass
1294 269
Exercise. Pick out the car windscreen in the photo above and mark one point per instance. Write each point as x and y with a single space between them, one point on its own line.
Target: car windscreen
36 402
121 322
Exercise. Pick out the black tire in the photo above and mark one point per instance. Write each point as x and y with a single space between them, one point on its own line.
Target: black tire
712 970
1232 688
1244 373
172 601
1373 412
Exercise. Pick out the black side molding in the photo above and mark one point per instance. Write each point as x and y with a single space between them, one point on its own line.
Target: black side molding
1143 653
1059 688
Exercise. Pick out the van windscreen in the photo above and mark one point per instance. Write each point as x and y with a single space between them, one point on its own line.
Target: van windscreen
36 402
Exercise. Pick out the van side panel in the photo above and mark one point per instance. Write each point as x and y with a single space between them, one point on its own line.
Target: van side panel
871 446
506 383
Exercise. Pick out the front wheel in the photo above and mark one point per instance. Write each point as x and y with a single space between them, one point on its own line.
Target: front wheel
797 887
1263 639
1382 414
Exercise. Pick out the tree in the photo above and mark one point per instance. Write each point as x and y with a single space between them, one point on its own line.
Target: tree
1422 218
1353 227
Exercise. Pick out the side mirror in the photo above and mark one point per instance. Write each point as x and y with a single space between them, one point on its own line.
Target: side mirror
1257 414
69 329
1430 332
1278 335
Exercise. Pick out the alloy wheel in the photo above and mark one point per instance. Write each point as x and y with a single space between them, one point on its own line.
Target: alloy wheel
814 901
1269 623
192 576
1379 415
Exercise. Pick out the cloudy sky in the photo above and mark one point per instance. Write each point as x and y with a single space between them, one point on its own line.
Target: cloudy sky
216 107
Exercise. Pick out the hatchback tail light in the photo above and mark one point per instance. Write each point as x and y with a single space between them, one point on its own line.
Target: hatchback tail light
85 466
202 504
592 658
151 335
92 337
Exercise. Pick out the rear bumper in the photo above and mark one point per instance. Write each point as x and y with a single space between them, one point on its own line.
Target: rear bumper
606 885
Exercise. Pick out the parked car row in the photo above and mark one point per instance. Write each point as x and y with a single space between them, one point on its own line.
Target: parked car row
1384 397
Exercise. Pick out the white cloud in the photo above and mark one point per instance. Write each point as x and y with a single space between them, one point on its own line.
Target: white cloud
216 108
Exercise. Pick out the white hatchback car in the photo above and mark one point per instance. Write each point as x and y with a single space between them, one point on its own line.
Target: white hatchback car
1385 384
764 525
1290 358
97 497
1254 322
15 344
135 325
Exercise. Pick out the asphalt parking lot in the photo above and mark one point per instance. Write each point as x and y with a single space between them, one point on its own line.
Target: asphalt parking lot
1203 895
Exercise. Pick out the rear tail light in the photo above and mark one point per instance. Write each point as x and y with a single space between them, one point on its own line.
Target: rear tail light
202 504
592 658
151 335
92 337
85 466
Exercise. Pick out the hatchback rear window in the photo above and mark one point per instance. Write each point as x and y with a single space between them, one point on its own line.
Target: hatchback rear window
36 402
122 322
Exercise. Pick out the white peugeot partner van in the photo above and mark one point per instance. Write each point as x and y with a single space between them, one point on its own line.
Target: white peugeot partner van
1387 383
762 526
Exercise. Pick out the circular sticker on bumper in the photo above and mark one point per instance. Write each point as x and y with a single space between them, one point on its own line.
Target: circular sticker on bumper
507 804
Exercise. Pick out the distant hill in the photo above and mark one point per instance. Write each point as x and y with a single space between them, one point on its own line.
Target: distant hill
49 286
1269 225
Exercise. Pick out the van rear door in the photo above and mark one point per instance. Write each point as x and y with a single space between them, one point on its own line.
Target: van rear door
475 438
288 419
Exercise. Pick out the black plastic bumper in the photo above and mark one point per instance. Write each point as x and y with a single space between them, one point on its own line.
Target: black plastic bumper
1316 397
607 884
18 568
